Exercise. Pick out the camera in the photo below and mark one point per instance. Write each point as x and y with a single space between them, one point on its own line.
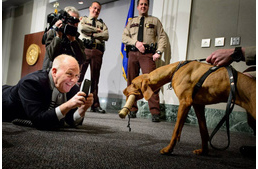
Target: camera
67 20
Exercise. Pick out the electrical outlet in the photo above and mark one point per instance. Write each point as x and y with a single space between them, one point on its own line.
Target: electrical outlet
219 41
205 43
234 41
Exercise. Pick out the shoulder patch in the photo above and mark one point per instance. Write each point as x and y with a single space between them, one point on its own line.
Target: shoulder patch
81 17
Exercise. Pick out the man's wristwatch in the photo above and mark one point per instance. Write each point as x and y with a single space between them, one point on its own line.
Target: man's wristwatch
158 52
237 55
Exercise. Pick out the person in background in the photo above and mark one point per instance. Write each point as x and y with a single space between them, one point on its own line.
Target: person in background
145 41
224 57
62 38
47 99
93 33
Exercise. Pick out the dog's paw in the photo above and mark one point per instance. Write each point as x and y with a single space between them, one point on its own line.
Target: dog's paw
165 151
200 152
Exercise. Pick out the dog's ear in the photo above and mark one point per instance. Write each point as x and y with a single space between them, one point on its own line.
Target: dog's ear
146 89
126 93
133 90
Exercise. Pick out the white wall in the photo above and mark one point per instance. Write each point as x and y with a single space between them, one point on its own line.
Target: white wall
7 27
175 17
16 24
38 16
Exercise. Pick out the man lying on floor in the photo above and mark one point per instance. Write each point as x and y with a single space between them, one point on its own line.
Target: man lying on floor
48 99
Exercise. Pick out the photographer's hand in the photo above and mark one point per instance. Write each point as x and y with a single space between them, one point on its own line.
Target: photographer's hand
58 25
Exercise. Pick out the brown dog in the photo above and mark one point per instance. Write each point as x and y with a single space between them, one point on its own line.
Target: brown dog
215 89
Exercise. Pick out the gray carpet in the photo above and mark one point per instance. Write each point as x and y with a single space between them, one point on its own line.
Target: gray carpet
105 142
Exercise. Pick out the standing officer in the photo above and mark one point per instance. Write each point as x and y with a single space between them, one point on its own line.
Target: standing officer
94 33
145 41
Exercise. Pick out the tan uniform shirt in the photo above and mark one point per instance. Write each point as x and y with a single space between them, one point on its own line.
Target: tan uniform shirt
86 29
153 32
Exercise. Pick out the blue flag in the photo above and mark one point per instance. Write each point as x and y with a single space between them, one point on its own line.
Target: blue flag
130 15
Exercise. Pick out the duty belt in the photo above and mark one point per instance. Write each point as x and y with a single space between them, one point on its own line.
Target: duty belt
89 45
148 48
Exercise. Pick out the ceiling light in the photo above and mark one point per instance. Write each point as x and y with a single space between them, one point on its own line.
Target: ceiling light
80 2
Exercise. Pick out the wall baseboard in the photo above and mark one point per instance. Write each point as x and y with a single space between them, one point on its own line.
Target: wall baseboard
237 119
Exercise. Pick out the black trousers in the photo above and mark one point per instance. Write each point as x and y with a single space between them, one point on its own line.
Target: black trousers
137 61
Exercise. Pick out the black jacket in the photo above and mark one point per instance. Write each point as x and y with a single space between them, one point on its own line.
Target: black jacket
30 99
56 46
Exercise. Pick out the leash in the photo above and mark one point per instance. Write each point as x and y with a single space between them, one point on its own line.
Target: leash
200 60
128 125
129 114
230 105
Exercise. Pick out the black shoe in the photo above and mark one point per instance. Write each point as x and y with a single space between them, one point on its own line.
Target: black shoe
155 118
98 110
248 151
133 114
22 122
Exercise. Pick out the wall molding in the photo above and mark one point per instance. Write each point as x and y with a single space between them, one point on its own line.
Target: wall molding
175 17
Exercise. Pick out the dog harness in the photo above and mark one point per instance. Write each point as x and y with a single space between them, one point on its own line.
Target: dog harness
198 85
231 99
178 67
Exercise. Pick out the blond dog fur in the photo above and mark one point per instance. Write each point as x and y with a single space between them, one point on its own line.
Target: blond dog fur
215 89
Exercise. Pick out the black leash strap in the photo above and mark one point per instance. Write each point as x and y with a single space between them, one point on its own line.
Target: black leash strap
129 114
230 105
129 122
200 60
